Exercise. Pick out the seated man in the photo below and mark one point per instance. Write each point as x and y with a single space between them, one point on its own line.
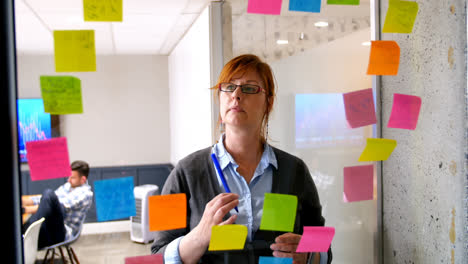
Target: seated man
63 209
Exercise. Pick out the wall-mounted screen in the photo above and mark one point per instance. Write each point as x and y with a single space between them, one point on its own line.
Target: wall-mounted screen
33 123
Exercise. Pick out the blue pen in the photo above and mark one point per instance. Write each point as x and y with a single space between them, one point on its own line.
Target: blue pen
221 175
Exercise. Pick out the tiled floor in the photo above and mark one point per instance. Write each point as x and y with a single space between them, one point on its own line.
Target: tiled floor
109 248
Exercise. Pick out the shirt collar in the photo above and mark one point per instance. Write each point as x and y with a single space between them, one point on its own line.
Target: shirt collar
224 158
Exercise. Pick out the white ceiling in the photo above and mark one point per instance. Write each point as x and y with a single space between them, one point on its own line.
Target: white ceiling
258 34
156 26
148 27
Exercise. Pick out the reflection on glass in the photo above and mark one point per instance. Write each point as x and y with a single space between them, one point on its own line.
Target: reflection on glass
321 122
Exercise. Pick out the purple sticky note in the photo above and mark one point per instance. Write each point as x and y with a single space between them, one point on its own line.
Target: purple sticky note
48 159
268 7
405 111
150 259
359 108
358 183
316 239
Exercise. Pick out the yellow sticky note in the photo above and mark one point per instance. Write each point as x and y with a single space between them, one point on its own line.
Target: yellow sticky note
400 17
102 10
74 51
378 149
228 237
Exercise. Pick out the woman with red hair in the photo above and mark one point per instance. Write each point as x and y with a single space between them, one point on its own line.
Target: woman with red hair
246 94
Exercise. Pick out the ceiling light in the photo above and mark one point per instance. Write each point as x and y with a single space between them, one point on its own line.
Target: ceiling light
321 24
366 43
282 41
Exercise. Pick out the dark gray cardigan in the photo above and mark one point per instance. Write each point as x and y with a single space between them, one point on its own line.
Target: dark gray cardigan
196 177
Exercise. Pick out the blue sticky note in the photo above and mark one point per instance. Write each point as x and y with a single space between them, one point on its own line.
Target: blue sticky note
274 260
114 199
305 5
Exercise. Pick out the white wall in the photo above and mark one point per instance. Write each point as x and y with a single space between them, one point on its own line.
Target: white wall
190 96
125 103
331 68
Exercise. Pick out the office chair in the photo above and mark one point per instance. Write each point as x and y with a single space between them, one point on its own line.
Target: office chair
30 239
64 245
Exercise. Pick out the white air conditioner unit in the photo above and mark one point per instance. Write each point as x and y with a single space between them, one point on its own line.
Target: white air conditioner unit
139 231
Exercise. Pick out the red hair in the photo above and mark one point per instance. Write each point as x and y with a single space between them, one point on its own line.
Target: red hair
238 66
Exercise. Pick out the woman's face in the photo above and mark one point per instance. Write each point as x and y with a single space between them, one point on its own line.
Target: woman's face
241 110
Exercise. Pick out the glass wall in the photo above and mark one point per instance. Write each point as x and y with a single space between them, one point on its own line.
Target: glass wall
316 57
147 104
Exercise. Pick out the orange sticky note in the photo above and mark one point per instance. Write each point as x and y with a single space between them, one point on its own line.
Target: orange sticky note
167 212
384 58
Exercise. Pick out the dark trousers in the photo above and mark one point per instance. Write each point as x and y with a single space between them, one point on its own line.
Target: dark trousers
52 229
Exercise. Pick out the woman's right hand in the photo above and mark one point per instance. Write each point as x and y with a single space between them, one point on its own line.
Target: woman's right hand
194 244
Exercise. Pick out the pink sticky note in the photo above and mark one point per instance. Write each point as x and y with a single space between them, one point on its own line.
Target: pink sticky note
150 259
359 108
405 111
316 239
268 7
48 159
358 183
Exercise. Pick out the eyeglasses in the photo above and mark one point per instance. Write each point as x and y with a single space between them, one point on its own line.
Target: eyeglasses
245 88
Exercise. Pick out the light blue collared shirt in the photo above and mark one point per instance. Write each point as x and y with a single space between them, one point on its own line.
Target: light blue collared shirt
251 195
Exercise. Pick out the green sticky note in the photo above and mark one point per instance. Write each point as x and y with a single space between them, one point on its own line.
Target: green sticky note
378 149
61 95
227 237
279 212
74 51
102 10
400 17
342 2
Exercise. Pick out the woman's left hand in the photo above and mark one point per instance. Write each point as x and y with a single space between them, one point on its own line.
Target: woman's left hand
285 247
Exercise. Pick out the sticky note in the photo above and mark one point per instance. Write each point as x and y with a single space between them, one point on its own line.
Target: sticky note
400 17
74 51
61 94
102 10
359 108
274 260
378 149
114 199
305 5
268 7
384 58
342 2
358 183
316 239
227 237
167 212
405 111
48 159
150 259
279 212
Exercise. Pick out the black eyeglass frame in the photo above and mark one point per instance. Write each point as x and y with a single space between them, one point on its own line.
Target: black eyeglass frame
242 86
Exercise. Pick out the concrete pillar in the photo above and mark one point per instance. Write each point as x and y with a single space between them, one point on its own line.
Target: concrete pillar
425 179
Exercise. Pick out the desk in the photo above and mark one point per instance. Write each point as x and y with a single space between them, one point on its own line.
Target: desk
26 216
